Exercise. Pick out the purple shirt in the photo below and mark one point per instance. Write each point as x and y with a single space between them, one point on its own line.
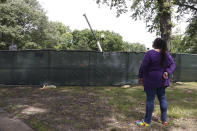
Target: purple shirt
152 72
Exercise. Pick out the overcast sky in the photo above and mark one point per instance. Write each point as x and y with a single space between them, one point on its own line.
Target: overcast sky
70 12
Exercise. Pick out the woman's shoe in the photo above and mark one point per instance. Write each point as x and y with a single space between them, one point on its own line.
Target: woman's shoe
142 123
165 123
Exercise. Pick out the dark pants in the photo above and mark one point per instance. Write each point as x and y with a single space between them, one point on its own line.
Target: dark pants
150 97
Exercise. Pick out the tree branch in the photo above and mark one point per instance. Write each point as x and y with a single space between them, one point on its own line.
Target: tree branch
186 5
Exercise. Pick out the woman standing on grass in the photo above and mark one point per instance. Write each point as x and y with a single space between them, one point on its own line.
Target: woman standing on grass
154 73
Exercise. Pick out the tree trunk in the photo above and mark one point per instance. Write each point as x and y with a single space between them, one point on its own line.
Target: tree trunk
165 21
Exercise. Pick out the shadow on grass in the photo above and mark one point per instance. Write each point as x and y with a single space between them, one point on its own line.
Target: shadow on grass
69 108
96 108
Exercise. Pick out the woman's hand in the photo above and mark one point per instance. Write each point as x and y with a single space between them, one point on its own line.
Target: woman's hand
140 80
165 75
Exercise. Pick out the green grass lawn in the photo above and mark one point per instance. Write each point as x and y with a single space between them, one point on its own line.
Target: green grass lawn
99 108
129 105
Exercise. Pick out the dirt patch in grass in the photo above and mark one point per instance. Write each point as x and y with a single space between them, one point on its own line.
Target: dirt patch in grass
97 108
69 108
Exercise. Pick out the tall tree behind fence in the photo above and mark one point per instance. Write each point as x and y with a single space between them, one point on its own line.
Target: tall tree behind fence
82 67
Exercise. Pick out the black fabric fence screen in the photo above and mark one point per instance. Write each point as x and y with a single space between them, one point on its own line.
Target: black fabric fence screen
84 68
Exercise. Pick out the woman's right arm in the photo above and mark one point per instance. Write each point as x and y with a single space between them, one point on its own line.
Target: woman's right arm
140 75
143 67
145 63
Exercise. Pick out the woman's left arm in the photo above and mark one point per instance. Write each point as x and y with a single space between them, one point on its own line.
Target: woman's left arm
171 65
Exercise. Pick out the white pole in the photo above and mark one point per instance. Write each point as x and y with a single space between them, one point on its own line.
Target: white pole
97 42
99 46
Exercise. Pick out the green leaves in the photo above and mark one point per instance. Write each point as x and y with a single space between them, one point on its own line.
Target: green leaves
134 47
25 22
84 40
158 15
18 19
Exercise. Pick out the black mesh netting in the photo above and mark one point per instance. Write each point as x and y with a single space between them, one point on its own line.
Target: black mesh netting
37 67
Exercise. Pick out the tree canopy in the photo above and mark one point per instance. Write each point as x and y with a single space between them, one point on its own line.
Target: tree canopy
25 23
158 14
188 7
19 18
84 40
